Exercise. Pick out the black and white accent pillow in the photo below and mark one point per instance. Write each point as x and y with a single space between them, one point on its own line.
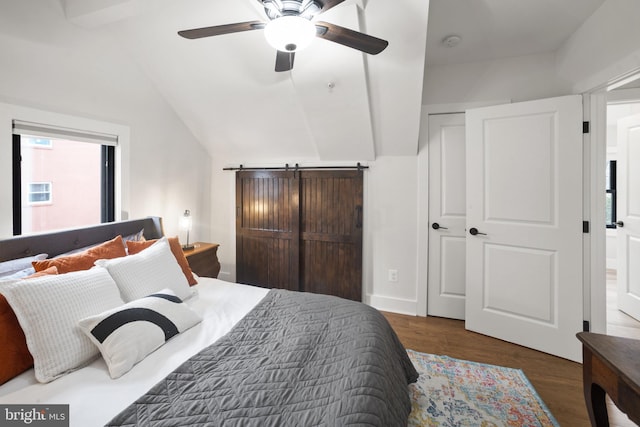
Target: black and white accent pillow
127 334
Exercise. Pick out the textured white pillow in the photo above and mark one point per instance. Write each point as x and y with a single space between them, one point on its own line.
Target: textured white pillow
127 334
147 272
48 309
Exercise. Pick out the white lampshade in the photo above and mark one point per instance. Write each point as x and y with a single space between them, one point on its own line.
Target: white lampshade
186 223
290 33
185 220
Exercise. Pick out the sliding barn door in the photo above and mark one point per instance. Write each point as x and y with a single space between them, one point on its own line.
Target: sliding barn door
300 231
331 233
267 229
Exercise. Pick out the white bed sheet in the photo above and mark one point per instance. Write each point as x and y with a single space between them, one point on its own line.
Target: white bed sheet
94 398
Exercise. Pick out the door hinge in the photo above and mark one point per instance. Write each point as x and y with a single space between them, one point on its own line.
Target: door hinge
586 327
585 127
585 226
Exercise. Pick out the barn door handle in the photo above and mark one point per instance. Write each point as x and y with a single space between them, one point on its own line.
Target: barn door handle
358 216
474 232
620 223
437 226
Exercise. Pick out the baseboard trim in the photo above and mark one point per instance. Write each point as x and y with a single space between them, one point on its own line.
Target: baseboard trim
394 305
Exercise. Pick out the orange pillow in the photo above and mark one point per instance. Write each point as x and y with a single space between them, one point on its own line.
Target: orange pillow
134 247
14 353
113 248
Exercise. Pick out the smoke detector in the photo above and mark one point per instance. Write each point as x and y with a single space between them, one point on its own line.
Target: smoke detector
452 40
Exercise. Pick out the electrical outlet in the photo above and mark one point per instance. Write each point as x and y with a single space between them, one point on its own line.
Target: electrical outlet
393 275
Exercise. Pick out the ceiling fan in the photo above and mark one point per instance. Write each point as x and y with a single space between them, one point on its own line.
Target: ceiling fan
290 28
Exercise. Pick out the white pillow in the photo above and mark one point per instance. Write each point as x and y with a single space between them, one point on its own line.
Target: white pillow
147 272
127 334
8 268
48 309
18 274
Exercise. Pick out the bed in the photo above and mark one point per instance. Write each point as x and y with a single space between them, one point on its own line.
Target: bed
239 355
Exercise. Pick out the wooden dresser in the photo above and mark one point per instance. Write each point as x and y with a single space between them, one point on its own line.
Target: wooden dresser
611 365
203 259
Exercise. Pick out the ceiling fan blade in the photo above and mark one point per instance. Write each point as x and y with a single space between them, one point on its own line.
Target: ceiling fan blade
217 30
328 4
353 39
284 61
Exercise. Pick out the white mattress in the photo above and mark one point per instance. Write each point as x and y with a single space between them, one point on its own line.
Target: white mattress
94 398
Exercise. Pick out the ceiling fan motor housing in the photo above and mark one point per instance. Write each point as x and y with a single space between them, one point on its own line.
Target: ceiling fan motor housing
303 8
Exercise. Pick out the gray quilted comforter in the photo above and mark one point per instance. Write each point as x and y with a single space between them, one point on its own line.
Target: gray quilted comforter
297 359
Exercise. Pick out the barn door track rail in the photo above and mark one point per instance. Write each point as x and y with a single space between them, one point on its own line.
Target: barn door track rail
297 167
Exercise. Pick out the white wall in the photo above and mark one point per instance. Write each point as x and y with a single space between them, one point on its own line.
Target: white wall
51 65
391 224
395 78
223 220
518 79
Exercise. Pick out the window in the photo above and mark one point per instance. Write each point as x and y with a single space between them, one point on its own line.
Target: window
610 212
79 165
39 142
39 193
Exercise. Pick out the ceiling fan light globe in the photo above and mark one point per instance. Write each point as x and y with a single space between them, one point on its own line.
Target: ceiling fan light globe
290 33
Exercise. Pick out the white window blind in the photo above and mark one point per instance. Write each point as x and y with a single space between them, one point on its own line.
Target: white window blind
37 129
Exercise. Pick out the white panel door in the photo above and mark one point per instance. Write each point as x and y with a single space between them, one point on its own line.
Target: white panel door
524 222
447 216
628 215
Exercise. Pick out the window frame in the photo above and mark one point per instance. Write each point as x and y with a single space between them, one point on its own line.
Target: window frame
10 114
16 188
611 189
107 185
49 200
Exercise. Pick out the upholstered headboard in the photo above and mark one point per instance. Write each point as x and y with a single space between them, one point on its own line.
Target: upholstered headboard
58 242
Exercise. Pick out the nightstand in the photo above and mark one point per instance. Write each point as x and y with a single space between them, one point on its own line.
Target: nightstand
203 259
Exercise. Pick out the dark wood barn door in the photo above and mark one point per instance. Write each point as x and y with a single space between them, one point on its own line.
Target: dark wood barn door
267 229
300 231
331 233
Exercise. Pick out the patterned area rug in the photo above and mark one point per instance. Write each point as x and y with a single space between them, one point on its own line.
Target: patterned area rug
456 393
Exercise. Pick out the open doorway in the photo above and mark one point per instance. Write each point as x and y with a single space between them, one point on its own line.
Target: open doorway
622 105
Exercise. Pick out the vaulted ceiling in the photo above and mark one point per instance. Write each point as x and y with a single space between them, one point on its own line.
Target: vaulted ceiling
337 103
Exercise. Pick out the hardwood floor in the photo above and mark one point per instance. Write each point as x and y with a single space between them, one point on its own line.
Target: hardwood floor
557 381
